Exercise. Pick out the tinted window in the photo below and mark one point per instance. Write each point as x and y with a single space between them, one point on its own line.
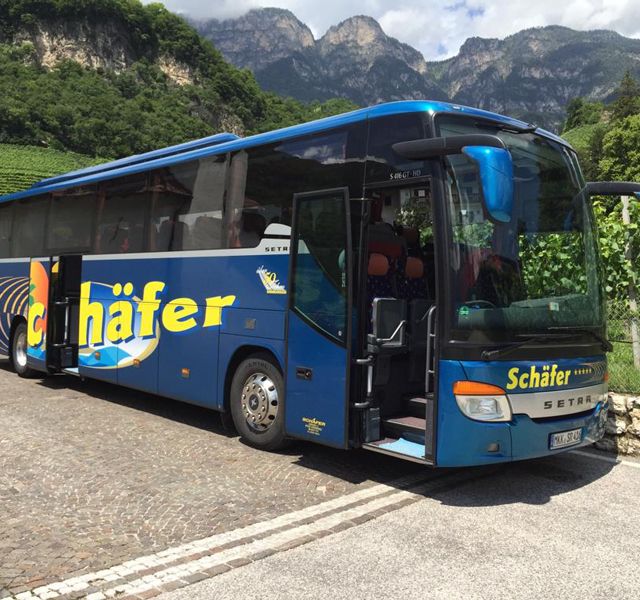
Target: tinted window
383 164
188 206
263 180
28 228
5 230
123 215
259 195
71 220
320 282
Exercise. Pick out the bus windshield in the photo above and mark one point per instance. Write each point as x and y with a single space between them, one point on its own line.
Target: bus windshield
538 274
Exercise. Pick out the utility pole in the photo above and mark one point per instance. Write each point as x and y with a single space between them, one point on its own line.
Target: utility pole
633 294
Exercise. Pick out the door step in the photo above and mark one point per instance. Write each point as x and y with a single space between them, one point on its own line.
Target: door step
410 428
417 407
400 448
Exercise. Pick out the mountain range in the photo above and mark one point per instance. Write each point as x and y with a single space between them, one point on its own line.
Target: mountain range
532 74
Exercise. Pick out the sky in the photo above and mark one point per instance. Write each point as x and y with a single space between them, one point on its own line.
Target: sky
438 27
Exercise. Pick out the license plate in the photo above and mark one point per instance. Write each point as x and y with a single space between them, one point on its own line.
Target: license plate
565 438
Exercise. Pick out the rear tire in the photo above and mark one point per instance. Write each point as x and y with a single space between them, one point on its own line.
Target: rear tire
18 354
255 401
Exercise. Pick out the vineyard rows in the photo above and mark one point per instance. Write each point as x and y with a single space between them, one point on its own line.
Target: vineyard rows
22 166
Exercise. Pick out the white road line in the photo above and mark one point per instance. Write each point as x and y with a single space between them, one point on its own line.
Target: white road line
609 459
246 551
384 493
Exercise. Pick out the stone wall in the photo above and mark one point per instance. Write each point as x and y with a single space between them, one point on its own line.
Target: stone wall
622 430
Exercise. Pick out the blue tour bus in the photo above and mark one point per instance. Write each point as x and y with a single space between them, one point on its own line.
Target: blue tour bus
371 280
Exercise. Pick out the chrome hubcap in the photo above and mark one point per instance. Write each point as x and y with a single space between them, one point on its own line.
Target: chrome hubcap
259 401
21 349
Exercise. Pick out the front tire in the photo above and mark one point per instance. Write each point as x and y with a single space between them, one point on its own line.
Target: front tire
19 352
255 400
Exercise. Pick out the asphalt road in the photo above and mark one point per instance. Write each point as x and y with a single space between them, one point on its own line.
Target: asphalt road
564 527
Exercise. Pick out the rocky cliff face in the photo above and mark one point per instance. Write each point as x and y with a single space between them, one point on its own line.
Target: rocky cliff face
354 59
101 45
95 45
362 41
532 74
268 35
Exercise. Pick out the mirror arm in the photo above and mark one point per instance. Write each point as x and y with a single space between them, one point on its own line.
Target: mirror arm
430 148
613 188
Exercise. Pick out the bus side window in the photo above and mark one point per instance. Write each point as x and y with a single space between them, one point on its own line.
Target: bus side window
382 163
187 205
6 218
71 220
29 227
121 223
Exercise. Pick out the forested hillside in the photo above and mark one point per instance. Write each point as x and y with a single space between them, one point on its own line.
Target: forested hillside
115 77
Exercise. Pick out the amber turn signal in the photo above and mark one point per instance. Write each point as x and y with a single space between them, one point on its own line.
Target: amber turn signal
475 388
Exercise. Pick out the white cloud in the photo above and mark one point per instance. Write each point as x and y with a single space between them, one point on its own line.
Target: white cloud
439 27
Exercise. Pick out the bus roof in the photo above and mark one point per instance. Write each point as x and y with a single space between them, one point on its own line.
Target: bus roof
205 142
198 149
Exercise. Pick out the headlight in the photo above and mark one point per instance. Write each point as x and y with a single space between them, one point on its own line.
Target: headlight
482 402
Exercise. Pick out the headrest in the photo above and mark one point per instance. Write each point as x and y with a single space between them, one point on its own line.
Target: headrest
378 265
389 249
414 268
411 235
253 222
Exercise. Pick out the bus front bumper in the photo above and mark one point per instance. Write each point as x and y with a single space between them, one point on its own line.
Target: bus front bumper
532 439
522 438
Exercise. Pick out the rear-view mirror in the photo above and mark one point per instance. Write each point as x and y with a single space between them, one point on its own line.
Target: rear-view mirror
490 154
495 166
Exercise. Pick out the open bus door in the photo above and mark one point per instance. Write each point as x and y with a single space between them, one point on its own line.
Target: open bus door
54 313
319 320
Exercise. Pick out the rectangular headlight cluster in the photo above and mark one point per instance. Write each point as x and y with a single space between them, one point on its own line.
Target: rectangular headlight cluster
482 402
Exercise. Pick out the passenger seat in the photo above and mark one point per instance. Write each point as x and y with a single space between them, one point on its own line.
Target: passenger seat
412 284
413 288
379 280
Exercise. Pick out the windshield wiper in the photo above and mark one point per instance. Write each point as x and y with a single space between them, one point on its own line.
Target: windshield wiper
510 127
564 333
606 344
507 348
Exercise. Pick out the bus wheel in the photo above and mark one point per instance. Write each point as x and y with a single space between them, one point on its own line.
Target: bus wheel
256 402
19 352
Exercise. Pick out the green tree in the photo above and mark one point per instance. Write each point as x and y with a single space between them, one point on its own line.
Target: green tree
627 101
581 112
621 150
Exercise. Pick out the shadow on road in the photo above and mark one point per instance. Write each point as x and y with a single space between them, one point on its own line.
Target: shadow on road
530 482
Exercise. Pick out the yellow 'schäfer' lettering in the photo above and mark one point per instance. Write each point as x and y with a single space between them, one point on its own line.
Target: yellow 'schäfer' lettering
513 378
36 313
148 308
177 315
213 313
90 311
120 327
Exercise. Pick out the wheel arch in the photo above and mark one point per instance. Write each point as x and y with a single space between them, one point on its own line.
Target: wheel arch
17 319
